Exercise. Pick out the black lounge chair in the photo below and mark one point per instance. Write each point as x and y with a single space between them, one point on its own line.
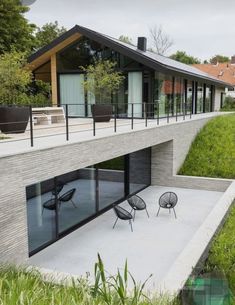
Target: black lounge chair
122 214
57 190
68 196
168 201
137 204
51 203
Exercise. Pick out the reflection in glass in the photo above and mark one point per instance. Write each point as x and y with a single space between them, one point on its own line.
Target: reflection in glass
189 102
110 181
163 94
139 170
200 97
41 221
208 99
76 201
179 96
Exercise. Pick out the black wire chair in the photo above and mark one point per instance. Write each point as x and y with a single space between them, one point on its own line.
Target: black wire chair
168 201
57 190
68 196
122 214
137 204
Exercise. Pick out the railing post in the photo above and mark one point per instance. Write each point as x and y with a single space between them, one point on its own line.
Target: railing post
115 118
158 112
168 110
31 125
67 122
94 123
132 115
146 116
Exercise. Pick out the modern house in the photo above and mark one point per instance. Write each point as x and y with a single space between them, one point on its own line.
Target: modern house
49 190
149 78
223 71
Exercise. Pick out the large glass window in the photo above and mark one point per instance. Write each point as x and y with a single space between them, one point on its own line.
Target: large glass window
179 95
163 94
41 221
76 199
200 96
208 99
189 101
56 206
139 170
110 181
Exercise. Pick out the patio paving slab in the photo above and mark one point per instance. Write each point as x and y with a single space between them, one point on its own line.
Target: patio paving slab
152 248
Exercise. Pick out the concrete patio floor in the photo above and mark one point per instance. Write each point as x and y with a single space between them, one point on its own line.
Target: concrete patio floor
152 248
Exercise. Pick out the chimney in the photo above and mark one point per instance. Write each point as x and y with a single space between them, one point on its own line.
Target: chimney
233 60
142 44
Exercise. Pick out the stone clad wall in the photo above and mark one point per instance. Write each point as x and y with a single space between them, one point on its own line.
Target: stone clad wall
19 171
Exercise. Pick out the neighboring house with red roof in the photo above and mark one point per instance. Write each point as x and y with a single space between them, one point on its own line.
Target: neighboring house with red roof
223 71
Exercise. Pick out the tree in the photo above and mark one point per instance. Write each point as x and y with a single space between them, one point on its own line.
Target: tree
181 56
102 80
126 39
160 40
47 33
16 33
219 59
16 82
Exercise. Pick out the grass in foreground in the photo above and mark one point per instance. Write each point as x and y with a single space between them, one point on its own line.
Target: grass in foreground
222 252
18 287
212 153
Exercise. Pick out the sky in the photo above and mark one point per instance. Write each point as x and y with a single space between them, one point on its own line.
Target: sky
202 28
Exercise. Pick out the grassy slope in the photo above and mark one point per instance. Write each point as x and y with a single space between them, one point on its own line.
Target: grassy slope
222 252
212 153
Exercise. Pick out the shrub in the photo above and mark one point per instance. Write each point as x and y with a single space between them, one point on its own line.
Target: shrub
229 104
16 82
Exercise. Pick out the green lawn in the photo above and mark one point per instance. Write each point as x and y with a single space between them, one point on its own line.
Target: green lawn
222 252
212 153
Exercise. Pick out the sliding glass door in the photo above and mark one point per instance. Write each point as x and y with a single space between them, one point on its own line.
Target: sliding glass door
57 206
72 93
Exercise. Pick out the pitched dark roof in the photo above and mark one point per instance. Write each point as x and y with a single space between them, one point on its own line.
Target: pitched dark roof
149 59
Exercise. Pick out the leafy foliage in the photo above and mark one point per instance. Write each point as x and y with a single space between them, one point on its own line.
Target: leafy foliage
20 287
212 153
16 32
219 59
126 39
181 56
229 104
102 80
222 252
16 82
47 33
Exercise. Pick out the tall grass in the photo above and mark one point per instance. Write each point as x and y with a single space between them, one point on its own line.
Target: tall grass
212 154
18 287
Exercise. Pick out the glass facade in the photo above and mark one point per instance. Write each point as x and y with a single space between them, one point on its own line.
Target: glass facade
166 94
208 99
163 94
189 97
200 97
61 204
179 96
